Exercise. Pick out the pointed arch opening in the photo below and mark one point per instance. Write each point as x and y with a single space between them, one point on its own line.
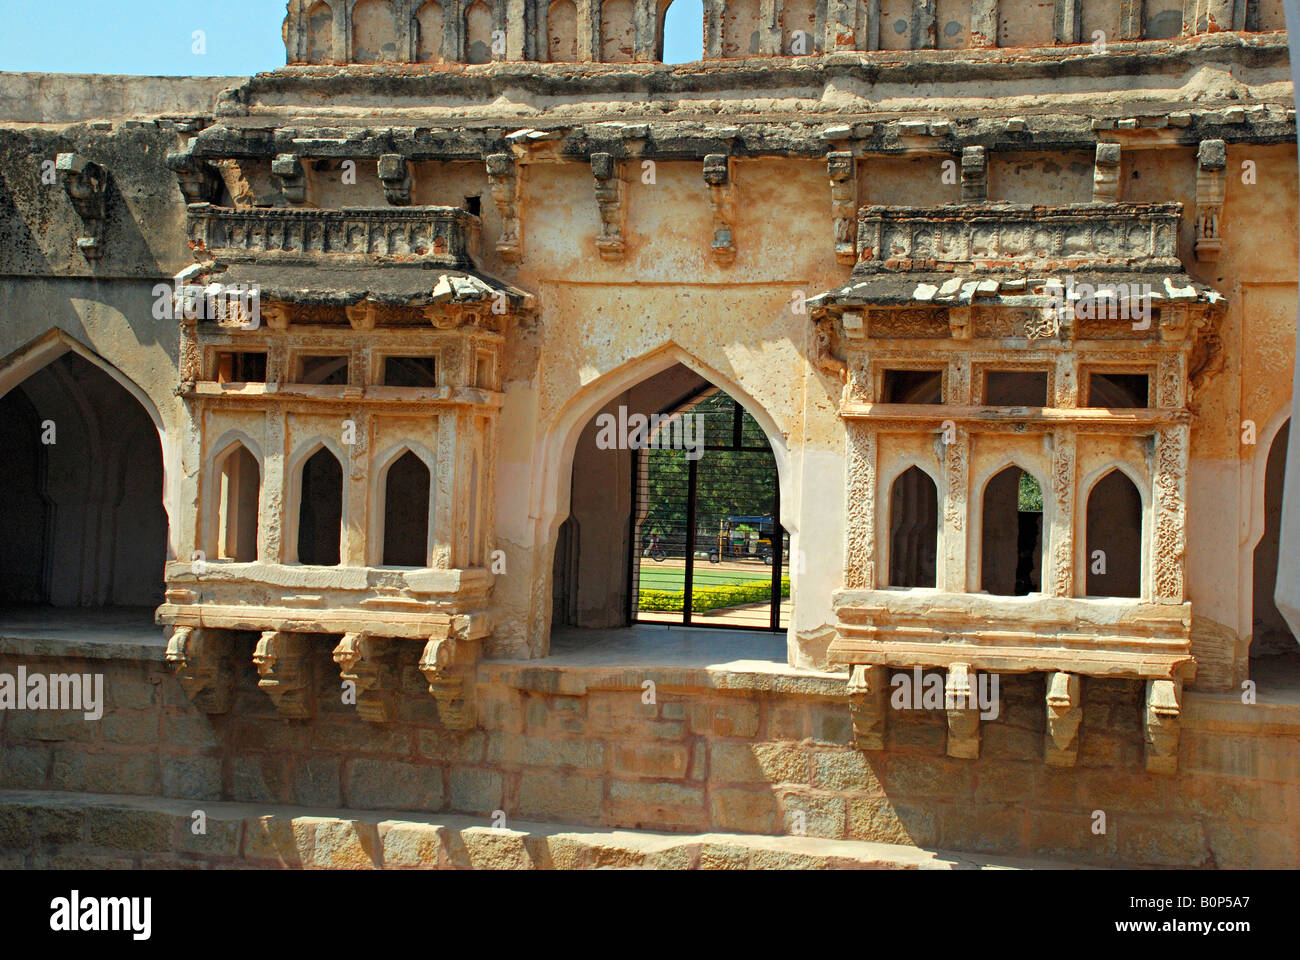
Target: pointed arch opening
913 529
681 31
83 479
407 487
320 510
238 481
1011 539
478 33
320 33
1272 643
1114 537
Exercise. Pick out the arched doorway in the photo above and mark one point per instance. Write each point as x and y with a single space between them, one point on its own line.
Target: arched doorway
1272 644
83 481
674 514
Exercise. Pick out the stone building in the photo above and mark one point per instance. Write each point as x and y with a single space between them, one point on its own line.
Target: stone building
986 312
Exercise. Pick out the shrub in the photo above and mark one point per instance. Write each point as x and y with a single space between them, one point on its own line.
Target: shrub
711 598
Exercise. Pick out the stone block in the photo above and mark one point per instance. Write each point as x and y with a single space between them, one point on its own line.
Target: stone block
411 845
881 820
476 790
133 831
757 763
374 784
492 849
197 777
823 815
847 769
908 776
105 772
449 746
744 811
316 782
1160 841
667 761
563 798
725 718
345 845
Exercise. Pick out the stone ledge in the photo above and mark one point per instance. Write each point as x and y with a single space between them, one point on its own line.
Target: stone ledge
47 829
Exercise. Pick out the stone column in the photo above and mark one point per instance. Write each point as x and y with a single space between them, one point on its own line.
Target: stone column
860 508
952 569
1060 535
275 497
1169 534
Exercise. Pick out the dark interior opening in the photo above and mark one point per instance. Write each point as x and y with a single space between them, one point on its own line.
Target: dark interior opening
411 371
241 367
323 370
406 513
1121 390
320 513
1015 388
1011 550
1114 538
912 386
913 530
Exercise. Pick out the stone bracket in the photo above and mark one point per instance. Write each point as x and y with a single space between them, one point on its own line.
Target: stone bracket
1105 174
963 721
717 174
365 660
1064 714
974 175
503 178
1211 162
447 665
1162 723
204 664
199 180
86 184
842 168
867 705
289 173
395 175
282 664
609 198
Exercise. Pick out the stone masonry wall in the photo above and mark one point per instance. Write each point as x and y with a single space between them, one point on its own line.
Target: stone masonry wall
721 750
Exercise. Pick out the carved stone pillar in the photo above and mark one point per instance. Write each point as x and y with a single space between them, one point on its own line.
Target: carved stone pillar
1164 704
860 519
1067 21
1064 714
503 179
957 483
283 664
609 198
867 703
204 663
1169 546
1130 19
272 506
356 482
974 175
842 169
960 703
1060 571
1211 161
1105 174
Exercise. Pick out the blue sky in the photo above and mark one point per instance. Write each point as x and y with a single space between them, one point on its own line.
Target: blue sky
156 36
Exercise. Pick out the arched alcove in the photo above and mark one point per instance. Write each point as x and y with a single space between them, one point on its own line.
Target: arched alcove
1011 534
742 28
320 33
406 512
913 529
681 32
320 509
374 32
1114 544
238 490
478 33
1271 636
617 31
83 479
431 24
562 31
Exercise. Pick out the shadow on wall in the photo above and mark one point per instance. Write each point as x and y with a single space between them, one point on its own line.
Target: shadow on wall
82 478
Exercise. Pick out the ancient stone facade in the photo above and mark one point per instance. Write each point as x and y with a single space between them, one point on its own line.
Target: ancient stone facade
1018 331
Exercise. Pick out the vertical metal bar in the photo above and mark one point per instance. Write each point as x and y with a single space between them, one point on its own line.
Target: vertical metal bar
778 545
634 553
689 583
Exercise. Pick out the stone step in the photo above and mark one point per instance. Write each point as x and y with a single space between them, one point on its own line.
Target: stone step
44 829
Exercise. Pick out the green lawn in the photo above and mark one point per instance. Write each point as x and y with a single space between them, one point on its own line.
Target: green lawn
655 577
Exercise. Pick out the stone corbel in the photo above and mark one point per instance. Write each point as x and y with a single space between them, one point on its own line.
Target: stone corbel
1064 714
276 315
503 178
449 682
867 703
204 664
609 198
959 322
826 358
395 175
717 174
1105 174
86 184
198 179
361 316
963 717
842 168
363 659
1164 704
282 664
1211 162
974 175
289 173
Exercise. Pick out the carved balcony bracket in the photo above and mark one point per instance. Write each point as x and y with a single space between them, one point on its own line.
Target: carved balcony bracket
362 316
963 717
199 180
284 669
365 660
842 169
1105 174
974 175
204 664
450 679
503 178
1211 162
867 702
1164 705
1064 714
717 174
86 184
609 198
395 175
289 173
